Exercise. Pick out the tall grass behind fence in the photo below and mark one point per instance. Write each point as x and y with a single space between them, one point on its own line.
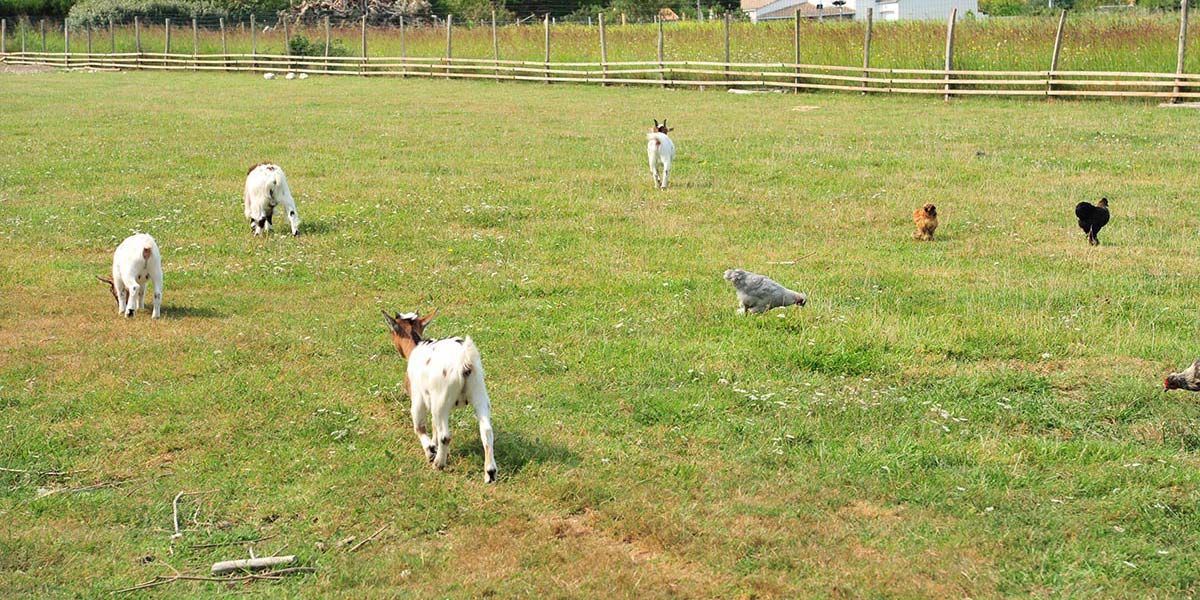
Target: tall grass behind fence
1113 43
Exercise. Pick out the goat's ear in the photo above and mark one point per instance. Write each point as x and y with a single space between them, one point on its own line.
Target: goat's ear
427 318
656 123
391 323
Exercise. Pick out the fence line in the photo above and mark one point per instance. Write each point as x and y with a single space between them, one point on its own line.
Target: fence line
779 76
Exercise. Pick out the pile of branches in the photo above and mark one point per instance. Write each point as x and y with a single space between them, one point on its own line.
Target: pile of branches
377 11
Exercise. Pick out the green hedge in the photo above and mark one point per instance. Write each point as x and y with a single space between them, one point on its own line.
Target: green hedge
98 12
48 8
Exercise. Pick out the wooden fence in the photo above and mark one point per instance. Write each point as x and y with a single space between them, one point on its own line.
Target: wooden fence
794 76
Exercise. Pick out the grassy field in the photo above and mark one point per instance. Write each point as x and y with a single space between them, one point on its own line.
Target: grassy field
1124 42
979 416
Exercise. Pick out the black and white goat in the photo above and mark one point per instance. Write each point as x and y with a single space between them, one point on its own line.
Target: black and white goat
661 151
441 375
136 262
266 188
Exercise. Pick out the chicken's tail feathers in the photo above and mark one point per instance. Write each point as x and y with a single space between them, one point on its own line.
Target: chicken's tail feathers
1083 210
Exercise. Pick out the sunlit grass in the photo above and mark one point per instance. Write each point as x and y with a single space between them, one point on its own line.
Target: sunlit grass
979 416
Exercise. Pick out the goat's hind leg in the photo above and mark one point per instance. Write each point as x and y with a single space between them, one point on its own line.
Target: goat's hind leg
483 412
420 419
441 431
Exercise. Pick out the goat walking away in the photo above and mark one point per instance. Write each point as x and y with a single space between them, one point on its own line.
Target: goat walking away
661 152
136 262
441 375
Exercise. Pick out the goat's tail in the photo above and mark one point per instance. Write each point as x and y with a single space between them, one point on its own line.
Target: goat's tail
472 365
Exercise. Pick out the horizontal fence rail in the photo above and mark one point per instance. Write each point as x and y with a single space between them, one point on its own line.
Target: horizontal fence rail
781 76
77 51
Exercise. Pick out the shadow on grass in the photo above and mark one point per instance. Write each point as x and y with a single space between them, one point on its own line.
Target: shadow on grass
190 312
316 228
514 452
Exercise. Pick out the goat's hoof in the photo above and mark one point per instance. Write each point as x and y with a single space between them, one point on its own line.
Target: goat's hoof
489 476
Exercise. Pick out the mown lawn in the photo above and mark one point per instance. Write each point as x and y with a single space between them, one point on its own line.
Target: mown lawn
980 416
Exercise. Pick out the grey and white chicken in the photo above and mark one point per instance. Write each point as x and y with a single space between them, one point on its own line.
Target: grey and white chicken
1186 380
758 294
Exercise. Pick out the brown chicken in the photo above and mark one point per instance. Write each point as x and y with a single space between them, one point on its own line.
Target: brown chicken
926 221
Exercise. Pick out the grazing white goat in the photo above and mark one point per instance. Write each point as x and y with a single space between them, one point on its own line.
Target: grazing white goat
441 375
266 188
758 293
661 151
136 262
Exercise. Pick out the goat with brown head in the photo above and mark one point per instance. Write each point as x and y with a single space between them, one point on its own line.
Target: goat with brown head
441 374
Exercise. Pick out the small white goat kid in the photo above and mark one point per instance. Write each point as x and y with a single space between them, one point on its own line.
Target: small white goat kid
442 375
135 263
661 151
266 188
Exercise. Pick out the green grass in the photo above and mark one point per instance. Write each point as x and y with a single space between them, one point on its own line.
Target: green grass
978 416
1134 42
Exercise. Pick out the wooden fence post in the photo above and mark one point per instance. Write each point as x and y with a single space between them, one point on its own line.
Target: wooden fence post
547 53
43 35
167 43
495 47
1062 20
727 45
3 36
253 42
66 43
622 19
603 51
867 49
950 49
224 45
449 42
796 53
24 25
364 44
195 44
112 37
662 72
1183 23
89 41
137 41
287 43
328 37
403 50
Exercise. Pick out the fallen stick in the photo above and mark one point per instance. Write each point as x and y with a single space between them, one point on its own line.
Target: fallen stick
44 473
175 509
250 564
165 579
232 543
369 538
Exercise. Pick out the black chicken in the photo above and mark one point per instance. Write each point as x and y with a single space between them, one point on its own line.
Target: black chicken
1092 217
1188 379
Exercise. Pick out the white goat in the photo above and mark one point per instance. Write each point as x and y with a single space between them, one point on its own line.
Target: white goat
266 187
135 262
661 151
442 375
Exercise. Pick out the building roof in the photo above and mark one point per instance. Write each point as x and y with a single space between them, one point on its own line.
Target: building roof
807 10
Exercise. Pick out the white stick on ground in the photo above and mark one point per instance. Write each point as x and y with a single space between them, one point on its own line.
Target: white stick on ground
250 564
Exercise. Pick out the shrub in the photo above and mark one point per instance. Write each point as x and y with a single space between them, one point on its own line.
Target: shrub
38 8
98 12
300 45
